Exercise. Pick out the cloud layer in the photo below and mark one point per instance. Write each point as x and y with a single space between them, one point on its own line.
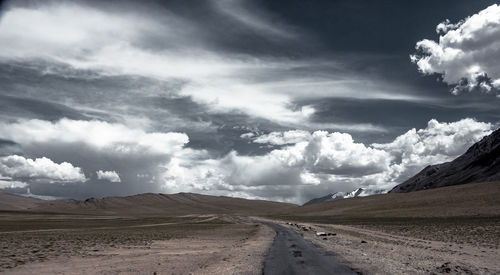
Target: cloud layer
100 135
70 38
301 163
321 161
466 54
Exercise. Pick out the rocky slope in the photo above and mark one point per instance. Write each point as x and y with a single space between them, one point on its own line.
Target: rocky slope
481 163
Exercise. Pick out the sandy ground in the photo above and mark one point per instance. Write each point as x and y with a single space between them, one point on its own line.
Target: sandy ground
376 252
229 249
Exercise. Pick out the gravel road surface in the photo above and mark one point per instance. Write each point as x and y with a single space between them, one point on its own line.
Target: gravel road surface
291 254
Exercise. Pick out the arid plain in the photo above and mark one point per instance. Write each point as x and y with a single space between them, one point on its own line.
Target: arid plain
452 229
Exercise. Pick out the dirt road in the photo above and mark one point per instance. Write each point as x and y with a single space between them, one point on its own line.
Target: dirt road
291 254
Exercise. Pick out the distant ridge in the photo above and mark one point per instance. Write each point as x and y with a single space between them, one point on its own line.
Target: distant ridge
481 163
148 204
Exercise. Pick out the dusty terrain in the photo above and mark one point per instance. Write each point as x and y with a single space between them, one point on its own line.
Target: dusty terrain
446 230
180 233
59 244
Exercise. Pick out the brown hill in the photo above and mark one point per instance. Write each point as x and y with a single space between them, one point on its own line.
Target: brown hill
12 202
478 199
480 163
147 205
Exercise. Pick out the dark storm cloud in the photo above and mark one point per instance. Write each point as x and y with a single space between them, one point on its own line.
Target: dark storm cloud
8 147
383 26
16 107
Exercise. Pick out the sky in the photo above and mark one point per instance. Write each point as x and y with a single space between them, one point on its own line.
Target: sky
275 100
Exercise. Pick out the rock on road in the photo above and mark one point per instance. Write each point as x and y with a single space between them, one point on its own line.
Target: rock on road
291 254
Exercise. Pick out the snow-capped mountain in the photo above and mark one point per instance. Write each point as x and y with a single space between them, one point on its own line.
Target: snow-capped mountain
344 195
360 192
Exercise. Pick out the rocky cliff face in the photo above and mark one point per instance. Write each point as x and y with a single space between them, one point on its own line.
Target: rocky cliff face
481 163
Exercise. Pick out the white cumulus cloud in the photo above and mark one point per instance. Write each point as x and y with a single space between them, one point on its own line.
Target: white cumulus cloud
307 159
338 154
467 52
111 176
39 170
